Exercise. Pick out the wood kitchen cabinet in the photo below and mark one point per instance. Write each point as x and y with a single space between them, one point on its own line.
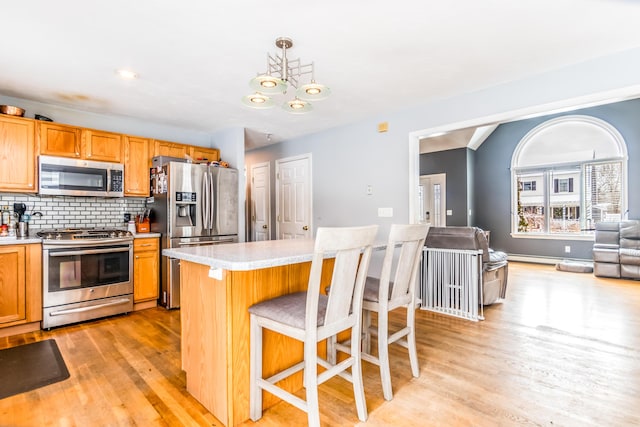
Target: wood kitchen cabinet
171 149
146 271
101 146
18 169
20 286
202 153
61 140
136 166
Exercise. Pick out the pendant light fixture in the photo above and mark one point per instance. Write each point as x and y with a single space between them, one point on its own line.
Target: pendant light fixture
282 73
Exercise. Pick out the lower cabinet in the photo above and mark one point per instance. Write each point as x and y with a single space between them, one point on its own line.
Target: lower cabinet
20 285
146 271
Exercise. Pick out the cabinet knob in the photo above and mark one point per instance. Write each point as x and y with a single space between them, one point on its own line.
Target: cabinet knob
137 256
30 185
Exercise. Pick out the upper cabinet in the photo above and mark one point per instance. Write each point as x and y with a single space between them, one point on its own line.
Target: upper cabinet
102 146
59 140
202 153
136 166
17 155
170 149
78 143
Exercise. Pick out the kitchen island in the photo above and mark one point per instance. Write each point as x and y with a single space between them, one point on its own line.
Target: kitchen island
218 283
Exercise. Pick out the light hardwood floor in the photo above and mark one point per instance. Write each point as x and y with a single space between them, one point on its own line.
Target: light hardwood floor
562 350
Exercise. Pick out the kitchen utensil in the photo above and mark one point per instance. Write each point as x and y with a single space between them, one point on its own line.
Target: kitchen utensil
43 118
23 229
11 110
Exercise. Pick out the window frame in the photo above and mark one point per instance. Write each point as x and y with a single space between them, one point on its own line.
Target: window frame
546 172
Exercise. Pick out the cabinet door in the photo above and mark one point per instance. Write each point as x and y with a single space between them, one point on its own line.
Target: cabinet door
136 166
12 284
171 149
145 270
59 140
102 146
17 155
202 153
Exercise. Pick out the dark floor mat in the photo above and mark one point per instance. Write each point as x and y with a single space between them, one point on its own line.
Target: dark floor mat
30 366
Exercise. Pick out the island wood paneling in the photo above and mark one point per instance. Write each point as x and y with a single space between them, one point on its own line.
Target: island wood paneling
215 325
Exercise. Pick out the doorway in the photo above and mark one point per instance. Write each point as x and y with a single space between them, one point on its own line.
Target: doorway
260 202
433 195
293 197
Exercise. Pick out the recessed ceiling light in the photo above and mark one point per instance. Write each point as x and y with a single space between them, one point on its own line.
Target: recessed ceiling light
127 74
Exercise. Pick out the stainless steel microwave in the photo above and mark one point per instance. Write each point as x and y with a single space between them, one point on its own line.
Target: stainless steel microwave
60 176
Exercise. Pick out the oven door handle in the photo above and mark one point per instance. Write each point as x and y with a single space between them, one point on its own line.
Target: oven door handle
89 308
89 252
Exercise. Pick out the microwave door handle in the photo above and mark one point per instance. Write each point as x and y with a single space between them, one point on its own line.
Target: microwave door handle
108 186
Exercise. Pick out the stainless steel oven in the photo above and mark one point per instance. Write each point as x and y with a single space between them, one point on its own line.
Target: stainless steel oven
86 274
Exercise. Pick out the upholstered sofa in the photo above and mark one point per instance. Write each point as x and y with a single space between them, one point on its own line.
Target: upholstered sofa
494 263
616 250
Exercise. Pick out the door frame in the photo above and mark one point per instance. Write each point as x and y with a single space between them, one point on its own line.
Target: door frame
278 162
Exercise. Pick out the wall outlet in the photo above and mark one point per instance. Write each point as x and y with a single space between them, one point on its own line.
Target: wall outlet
567 249
369 190
449 212
385 212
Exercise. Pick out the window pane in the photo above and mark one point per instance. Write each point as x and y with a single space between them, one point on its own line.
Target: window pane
603 192
564 201
530 204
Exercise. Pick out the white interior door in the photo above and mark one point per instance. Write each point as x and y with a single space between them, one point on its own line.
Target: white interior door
433 199
260 202
293 197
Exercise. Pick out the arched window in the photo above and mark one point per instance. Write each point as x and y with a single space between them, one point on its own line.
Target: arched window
568 173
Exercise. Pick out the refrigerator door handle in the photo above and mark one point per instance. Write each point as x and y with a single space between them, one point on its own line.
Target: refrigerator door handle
205 201
214 198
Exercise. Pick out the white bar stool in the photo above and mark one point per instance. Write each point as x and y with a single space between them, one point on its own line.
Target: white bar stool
311 317
384 295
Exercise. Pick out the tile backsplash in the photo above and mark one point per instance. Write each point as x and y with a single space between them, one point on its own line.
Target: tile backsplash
67 211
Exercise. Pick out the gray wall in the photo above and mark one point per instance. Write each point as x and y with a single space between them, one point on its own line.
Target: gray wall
492 180
455 164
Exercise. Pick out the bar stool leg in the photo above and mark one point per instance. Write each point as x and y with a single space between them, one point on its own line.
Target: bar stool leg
255 370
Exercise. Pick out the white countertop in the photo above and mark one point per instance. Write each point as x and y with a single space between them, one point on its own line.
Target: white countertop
19 240
250 255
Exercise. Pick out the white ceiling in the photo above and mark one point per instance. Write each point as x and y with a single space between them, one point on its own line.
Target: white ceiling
195 57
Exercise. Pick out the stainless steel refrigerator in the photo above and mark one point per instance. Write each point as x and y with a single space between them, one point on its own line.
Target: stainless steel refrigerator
193 205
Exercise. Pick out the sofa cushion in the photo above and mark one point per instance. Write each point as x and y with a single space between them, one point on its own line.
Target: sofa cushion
605 269
630 256
628 271
630 229
606 255
608 226
607 237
